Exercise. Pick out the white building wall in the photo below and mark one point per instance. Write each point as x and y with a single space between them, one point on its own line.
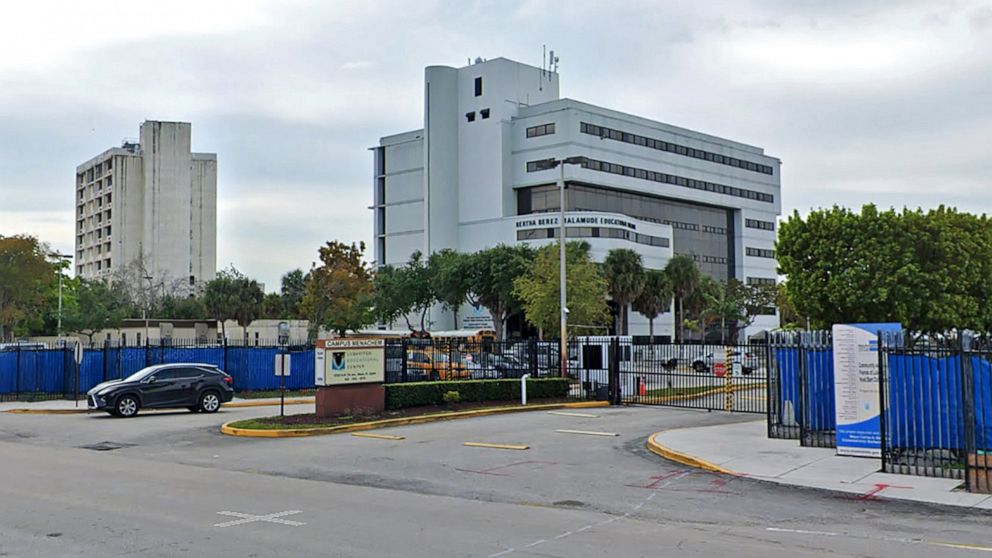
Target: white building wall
475 166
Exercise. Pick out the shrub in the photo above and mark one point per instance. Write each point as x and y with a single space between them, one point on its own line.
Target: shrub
451 397
418 394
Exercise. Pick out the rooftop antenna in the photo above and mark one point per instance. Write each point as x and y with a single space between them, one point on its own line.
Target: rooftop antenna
540 81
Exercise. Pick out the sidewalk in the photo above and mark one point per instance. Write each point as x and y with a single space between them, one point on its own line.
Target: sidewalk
60 406
744 449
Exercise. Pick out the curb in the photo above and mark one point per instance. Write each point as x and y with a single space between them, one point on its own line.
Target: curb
684 458
231 405
229 430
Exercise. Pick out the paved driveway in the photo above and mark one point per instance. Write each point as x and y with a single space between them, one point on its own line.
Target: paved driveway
176 485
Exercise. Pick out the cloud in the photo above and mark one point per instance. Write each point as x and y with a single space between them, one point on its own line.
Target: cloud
863 100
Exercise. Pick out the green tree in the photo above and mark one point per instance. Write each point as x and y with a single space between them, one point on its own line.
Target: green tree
723 303
684 277
928 271
701 305
273 307
25 278
233 296
339 290
655 297
404 291
294 288
493 272
624 274
450 275
98 307
755 300
585 289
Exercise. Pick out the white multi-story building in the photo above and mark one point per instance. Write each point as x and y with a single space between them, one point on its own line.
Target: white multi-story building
152 202
475 176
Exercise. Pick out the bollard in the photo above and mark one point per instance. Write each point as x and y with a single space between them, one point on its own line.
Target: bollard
728 385
523 389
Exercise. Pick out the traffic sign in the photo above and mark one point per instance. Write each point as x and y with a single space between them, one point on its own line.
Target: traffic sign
283 367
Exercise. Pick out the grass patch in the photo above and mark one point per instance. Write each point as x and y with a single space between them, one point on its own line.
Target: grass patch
274 393
680 391
310 420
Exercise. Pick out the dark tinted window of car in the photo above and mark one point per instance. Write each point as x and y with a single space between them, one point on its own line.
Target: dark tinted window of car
189 373
167 374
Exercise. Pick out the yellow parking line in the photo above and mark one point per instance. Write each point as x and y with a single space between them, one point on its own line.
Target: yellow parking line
497 446
377 436
588 432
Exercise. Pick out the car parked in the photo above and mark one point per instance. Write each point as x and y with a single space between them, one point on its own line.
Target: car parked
748 362
197 387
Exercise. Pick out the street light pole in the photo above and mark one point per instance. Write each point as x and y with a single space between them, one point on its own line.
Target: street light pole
148 304
61 258
563 347
563 309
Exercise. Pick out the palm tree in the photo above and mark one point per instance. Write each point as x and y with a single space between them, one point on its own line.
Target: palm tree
656 297
625 280
683 276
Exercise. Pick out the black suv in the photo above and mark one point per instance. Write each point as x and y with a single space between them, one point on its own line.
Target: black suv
197 387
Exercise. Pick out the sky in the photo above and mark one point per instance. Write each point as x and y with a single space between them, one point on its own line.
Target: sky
866 101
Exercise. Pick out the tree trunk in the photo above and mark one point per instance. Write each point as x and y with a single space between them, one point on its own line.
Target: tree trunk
651 330
723 330
679 327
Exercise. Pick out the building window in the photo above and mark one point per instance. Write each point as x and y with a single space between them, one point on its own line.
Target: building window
470 116
760 281
484 113
609 133
478 87
760 253
767 311
603 166
756 224
542 130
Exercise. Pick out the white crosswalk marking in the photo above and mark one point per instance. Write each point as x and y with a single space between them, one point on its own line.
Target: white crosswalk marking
269 518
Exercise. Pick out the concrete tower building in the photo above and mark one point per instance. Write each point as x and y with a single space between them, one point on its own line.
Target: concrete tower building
152 201
476 176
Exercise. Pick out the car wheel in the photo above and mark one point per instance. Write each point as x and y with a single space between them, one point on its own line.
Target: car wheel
209 402
699 366
127 406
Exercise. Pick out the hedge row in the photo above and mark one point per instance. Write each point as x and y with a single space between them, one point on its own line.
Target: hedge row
416 394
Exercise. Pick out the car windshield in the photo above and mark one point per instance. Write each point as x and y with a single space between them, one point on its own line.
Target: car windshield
140 374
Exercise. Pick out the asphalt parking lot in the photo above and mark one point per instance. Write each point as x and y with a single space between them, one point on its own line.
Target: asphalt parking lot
167 483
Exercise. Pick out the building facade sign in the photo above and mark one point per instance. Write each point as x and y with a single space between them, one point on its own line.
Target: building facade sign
575 220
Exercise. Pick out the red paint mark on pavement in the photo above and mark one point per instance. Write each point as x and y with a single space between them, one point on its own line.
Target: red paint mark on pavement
874 492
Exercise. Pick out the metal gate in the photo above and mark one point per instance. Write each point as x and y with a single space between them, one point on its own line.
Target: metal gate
711 377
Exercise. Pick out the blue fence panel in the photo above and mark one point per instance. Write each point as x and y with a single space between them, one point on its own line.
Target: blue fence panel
983 403
130 360
8 371
818 398
788 374
91 369
924 402
301 376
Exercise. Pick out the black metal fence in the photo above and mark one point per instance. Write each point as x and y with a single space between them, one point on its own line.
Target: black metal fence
936 400
801 388
729 377
710 377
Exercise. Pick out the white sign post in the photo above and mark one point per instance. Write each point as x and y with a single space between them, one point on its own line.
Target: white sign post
856 388
282 369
